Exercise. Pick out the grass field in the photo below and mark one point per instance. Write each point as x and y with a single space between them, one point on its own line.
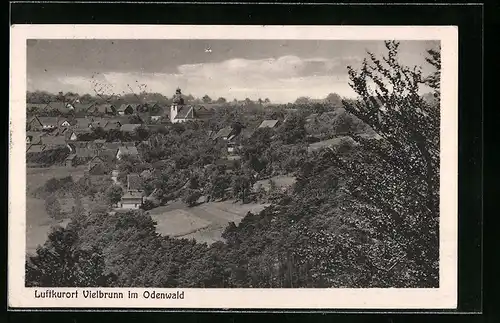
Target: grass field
281 182
204 223
36 177
38 222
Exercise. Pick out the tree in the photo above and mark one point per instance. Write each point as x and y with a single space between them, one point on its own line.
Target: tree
221 100
242 186
52 206
217 186
114 194
398 190
303 100
267 100
206 99
293 130
61 263
191 197
334 100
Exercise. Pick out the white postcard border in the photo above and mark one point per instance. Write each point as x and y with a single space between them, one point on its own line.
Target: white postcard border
443 297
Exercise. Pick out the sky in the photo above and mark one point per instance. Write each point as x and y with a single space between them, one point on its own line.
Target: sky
280 70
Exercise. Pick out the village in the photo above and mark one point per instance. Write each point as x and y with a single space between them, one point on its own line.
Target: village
71 131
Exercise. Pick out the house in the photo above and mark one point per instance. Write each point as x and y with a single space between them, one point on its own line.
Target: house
107 154
74 145
81 123
43 123
125 109
124 150
223 133
112 125
54 141
184 113
134 183
70 160
60 106
106 108
312 117
84 154
179 112
83 107
65 122
268 124
97 123
98 143
35 107
112 146
137 107
130 127
34 137
72 135
133 198
97 165
35 148
131 201
156 115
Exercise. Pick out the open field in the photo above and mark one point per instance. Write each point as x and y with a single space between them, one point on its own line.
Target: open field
38 222
204 223
36 177
281 182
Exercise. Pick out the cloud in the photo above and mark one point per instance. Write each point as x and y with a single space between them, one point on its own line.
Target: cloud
281 79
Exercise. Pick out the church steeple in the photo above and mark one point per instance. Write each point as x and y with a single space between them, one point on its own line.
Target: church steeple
178 99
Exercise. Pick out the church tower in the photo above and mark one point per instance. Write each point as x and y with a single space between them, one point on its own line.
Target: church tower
177 102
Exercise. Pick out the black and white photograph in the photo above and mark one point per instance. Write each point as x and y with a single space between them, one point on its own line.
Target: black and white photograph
183 164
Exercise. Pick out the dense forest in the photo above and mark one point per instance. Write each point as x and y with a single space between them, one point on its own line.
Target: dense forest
359 215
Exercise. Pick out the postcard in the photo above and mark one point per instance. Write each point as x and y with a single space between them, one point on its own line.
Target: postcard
233 167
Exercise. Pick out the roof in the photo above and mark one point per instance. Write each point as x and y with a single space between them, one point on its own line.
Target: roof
128 150
105 108
48 121
100 141
134 195
107 153
331 143
96 157
81 130
85 152
185 112
203 112
130 127
71 157
268 124
81 122
35 148
134 182
123 107
39 106
54 140
79 144
112 124
312 116
98 122
58 105
35 136
224 132
82 106
112 145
